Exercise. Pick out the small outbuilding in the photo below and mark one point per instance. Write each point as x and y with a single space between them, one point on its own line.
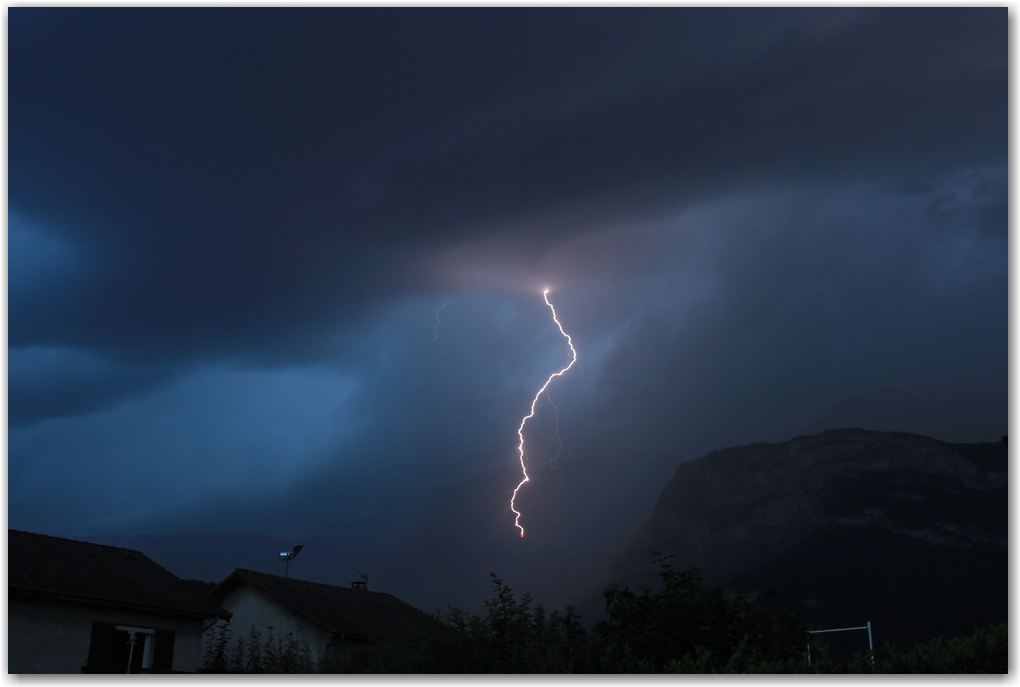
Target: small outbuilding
78 607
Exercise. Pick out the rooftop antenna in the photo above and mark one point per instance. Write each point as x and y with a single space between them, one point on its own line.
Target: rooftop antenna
362 583
287 556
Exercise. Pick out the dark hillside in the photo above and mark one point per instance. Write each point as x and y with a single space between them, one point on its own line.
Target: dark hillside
848 526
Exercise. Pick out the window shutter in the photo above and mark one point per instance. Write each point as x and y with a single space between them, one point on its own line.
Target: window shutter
163 655
101 649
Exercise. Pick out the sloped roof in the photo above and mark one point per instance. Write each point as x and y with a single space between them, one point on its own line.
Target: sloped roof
339 611
41 565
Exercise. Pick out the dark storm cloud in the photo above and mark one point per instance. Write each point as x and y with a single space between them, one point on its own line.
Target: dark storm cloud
250 177
817 296
174 449
48 381
231 231
752 316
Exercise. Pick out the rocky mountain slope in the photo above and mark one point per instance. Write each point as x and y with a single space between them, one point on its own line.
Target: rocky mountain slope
848 525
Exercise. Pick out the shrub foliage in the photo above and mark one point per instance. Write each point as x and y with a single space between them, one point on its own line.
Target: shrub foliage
686 627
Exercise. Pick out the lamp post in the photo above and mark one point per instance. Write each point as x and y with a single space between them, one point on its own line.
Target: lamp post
286 557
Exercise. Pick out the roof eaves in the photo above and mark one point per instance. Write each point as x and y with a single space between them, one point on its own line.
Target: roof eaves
83 598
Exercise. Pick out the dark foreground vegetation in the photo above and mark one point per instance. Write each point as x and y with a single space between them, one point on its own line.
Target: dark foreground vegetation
687 627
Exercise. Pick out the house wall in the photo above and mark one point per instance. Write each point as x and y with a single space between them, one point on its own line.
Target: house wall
53 636
251 607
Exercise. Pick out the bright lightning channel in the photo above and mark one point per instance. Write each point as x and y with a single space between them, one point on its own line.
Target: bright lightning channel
524 420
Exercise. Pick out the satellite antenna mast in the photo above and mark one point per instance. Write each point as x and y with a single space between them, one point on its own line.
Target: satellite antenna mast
287 556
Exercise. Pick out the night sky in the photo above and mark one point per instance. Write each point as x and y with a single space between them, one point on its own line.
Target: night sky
232 234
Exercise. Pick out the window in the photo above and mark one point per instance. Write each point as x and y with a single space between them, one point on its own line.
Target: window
140 644
114 647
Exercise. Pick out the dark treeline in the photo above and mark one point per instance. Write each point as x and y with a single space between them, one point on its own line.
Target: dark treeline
686 627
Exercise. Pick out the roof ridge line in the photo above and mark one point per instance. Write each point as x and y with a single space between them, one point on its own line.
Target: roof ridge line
80 541
321 584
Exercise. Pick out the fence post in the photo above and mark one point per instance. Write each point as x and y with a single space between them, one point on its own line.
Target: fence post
870 647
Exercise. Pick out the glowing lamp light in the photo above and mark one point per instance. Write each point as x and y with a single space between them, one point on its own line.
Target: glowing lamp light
287 557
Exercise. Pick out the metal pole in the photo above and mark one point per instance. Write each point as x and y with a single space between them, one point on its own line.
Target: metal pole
867 627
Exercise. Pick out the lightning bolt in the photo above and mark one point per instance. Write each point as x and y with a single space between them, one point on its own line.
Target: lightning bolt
534 401
435 330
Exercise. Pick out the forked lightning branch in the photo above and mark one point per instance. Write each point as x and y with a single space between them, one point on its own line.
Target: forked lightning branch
534 401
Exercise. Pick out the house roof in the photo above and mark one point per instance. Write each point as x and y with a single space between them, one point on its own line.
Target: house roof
339 611
53 567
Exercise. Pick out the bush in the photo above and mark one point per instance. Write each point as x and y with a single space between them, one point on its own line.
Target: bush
687 627
691 624
277 656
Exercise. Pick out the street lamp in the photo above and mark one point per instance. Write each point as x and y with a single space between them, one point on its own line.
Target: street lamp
286 557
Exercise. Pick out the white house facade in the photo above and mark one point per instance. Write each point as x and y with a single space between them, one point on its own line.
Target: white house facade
77 607
322 617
